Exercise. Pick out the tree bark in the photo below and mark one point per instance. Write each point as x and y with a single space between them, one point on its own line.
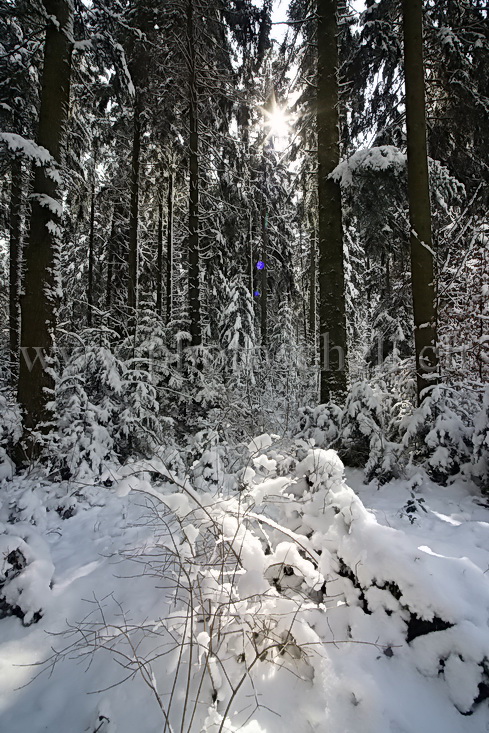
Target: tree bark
193 239
251 273
263 273
332 309
15 216
312 291
133 253
111 258
159 256
91 255
169 251
422 269
38 304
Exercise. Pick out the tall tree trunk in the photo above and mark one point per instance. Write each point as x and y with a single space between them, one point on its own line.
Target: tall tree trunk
38 304
111 259
159 256
264 258
15 216
422 270
133 253
250 252
117 254
193 225
312 292
268 108
169 251
91 256
332 309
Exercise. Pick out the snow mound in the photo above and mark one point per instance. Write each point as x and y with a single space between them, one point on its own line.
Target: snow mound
26 571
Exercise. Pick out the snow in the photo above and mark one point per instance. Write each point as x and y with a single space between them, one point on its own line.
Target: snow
48 202
7 468
311 622
30 589
381 158
28 148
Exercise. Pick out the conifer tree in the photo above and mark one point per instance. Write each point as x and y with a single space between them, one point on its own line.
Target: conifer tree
193 220
15 248
332 309
38 303
422 266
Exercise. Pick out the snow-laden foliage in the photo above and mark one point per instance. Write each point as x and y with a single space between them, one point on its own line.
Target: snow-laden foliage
10 432
479 469
377 159
208 459
321 424
26 570
237 336
104 407
10 420
289 541
365 432
438 433
230 608
383 432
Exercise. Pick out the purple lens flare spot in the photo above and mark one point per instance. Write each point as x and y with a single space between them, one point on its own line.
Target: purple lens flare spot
260 265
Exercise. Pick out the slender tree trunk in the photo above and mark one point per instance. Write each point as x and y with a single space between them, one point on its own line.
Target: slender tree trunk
269 107
38 304
133 254
169 251
159 257
422 269
332 309
117 254
483 290
250 251
304 330
15 216
111 259
264 258
193 240
91 256
312 292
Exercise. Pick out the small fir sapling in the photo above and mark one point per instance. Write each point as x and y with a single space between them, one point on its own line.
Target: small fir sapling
364 438
438 433
479 466
103 408
236 330
320 424
10 433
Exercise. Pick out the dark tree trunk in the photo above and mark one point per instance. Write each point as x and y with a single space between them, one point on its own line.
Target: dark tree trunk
312 292
169 252
38 304
193 224
133 253
268 108
332 310
263 272
250 252
159 257
422 270
91 256
111 260
15 216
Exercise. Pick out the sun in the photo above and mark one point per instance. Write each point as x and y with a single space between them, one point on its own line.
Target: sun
277 120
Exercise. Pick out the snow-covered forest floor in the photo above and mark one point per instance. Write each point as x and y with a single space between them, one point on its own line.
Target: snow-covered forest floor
305 601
